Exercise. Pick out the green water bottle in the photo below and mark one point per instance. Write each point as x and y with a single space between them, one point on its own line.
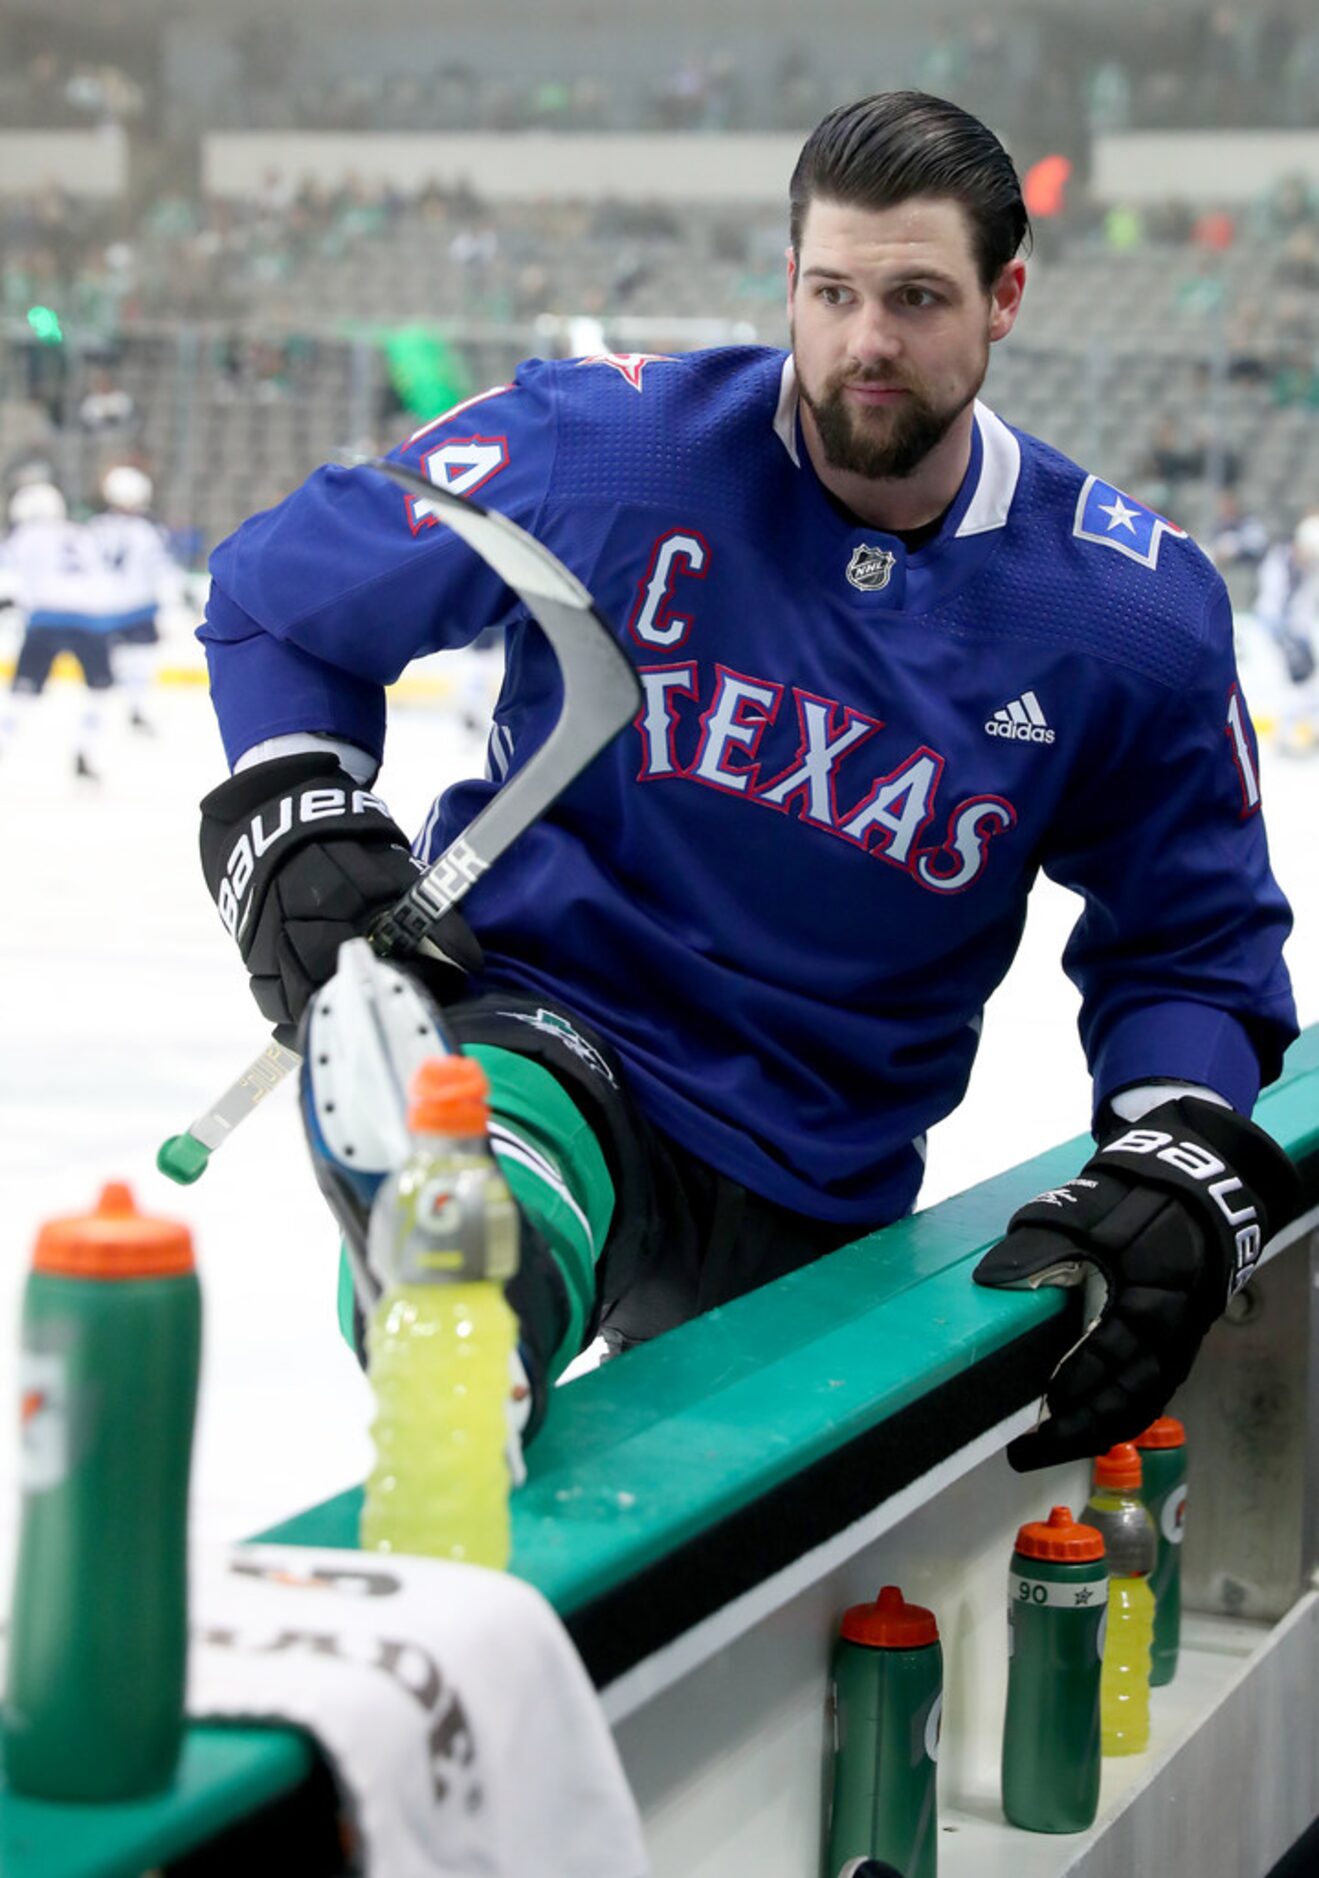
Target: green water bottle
1163 1489
1057 1598
1116 1508
93 1704
887 1702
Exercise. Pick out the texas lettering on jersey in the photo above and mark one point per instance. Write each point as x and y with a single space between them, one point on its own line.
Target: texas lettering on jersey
886 820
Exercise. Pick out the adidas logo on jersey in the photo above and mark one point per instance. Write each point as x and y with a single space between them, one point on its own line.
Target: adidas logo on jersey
1022 721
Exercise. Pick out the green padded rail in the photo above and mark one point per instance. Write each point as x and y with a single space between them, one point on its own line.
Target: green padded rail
226 1772
641 1454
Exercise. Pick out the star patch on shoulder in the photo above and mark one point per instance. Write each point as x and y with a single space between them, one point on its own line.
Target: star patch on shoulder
629 365
1105 515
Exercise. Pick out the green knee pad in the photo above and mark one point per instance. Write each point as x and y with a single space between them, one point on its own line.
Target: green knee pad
556 1173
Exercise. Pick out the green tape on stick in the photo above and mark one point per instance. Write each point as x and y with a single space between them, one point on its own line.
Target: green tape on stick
183 1159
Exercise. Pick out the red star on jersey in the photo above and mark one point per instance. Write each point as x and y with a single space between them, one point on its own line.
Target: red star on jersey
629 365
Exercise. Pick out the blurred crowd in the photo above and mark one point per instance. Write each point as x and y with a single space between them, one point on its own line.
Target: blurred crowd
213 258
109 252
266 286
105 267
68 91
269 281
1029 69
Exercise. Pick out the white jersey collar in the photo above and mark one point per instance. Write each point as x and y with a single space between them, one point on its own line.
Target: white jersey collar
1000 467
785 414
1000 457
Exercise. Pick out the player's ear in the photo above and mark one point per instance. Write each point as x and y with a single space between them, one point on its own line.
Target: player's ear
1005 298
790 255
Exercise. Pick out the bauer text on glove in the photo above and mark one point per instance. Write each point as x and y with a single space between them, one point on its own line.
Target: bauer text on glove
298 858
1162 1226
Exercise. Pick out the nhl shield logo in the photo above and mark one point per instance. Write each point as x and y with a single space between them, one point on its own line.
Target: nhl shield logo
870 568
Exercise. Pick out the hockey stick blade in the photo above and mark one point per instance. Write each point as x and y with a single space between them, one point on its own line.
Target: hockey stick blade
601 694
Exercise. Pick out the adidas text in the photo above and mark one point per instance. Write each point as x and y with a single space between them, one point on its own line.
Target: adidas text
1019 733
1021 721
257 839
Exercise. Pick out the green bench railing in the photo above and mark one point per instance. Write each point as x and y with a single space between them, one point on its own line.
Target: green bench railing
655 1467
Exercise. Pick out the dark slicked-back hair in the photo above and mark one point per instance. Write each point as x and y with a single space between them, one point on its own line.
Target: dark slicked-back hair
899 144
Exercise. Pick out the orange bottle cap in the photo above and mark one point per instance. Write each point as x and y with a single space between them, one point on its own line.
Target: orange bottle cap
1167 1432
890 1623
115 1241
1060 1537
1120 1467
449 1096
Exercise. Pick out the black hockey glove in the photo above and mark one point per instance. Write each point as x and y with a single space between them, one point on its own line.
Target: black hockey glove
298 858
1162 1226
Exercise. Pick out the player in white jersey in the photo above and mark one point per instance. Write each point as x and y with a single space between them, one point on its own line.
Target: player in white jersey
142 575
56 579
897 658
1287 607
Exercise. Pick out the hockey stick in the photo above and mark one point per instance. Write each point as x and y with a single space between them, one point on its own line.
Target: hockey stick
600 695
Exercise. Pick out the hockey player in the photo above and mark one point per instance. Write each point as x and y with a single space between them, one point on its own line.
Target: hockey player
143 573
897 657
1287 607
56 581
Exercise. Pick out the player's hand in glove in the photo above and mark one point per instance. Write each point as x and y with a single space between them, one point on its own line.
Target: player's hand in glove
1162 1226
298 858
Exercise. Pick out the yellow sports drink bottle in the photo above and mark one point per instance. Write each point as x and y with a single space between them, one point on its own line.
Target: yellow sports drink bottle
1116 1509
443 1239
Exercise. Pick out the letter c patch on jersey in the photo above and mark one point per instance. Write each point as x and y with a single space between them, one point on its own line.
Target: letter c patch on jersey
653 622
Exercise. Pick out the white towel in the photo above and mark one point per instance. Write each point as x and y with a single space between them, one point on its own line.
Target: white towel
449 1700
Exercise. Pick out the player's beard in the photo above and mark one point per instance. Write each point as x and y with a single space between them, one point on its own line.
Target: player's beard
889 442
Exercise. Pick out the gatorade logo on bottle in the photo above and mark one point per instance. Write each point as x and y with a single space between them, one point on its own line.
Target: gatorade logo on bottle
1172 1519
934 1727
44 1395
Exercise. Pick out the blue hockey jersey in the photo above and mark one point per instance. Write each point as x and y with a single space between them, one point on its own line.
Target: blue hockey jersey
786 891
